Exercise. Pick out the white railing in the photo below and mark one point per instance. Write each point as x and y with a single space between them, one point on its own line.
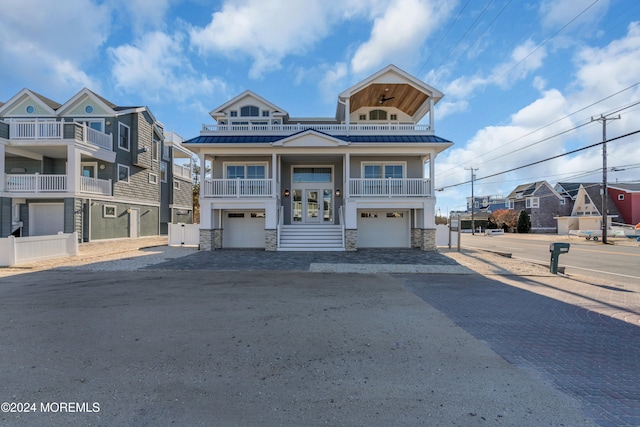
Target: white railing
331 128
390 187
238 187
35 183
37 129
280 223
95 186
182 171
184 234
102 140
43 183
342 225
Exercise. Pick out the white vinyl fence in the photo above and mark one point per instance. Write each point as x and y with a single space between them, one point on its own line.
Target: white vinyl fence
443 235
21 250
184 234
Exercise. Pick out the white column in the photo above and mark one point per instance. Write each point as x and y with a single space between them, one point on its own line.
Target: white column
432 123
275 190
347 175
432 174
73 169
347 113
203 171
2 166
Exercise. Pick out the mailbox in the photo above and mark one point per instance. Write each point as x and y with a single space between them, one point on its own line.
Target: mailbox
556 249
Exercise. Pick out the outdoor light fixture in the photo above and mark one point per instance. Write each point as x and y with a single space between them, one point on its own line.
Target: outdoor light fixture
286 193
338 192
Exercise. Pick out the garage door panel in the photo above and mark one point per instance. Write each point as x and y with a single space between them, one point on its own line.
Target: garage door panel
46 218
384 229
243 229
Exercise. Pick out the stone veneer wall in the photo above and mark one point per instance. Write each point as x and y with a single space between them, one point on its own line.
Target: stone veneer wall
351 240
210 240
428 239
270 240
416 237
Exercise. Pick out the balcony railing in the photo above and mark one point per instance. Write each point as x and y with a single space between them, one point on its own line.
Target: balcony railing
238 187
328 128
390 187
44 183
47 130
182 171
95 186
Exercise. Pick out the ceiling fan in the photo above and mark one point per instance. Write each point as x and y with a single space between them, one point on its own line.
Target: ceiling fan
384 99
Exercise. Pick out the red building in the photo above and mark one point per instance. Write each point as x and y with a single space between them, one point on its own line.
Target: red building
627 200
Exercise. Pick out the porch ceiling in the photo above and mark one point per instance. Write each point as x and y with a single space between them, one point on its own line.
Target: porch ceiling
405 97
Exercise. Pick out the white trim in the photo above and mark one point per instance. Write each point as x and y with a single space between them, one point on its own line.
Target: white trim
153 178
109 215
128 137
118 173
383 164
245 164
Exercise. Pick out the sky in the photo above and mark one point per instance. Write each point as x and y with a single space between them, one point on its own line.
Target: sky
523 80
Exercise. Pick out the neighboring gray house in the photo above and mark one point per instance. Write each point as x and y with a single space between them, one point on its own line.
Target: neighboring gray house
87 166
543 204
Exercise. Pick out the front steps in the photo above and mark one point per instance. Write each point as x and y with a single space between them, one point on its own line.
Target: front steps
305 237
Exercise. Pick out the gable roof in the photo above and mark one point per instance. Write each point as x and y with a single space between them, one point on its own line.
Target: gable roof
253 139
530 189
105 105
393 86
628 187
47 104
218 112
593 191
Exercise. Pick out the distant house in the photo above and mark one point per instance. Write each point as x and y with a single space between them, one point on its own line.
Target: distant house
542 202
487 204
626 197
88 166
586 212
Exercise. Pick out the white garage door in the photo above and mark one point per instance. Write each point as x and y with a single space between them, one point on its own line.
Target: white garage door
243 229
46 218
384 229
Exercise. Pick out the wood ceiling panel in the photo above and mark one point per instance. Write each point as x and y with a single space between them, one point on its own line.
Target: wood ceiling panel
405 97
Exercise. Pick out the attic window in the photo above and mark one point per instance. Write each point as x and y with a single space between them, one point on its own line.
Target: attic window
620 196
30 109
249 111
363 117
377 115
265 113
88 109
394 117
233 113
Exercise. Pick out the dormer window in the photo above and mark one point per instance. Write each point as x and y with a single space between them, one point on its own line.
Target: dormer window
377 115
249 111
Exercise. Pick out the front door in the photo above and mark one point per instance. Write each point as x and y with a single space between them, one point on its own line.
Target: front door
312 206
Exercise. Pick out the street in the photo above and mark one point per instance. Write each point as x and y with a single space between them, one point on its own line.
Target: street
619 263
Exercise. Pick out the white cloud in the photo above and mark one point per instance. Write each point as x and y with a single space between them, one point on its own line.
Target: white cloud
557 13
155 67
399 33
268 30
144 15
39 38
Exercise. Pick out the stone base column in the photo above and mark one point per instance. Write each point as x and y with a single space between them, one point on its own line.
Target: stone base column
217 238
206 240
416 238
428 240
351 240
271 240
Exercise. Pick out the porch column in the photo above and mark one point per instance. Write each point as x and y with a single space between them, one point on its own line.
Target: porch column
73 169
347 113
203 172
432 174
347 175
2 166
275 190
431 115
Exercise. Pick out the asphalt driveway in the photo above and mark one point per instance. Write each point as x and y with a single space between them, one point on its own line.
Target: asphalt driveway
162 347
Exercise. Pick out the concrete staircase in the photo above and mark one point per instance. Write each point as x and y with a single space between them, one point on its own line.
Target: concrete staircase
305 237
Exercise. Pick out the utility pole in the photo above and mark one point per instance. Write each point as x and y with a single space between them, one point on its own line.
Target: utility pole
604 119
473 202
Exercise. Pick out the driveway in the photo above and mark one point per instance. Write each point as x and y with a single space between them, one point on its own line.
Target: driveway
253 348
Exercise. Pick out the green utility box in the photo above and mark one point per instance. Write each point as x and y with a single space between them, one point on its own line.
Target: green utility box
556 249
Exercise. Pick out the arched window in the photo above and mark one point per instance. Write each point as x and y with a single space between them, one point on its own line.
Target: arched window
249 111
377 115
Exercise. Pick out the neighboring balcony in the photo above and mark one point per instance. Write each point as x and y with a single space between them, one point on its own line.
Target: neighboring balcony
390 187
42 183
49 130
238 188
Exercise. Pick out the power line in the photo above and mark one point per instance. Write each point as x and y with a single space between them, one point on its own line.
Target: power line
545 160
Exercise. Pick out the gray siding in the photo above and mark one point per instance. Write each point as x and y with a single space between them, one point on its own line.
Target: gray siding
5 216
4 130
118 227
415 167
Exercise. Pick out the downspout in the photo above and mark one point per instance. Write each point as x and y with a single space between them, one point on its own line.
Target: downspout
346 112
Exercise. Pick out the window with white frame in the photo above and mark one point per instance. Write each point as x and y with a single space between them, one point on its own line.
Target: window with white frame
163 172
155 149
176 184
377 115
533 202
166 152
123 173
153 178
124 137
109 211
233 113
512 204
383 170
246 171
620 196
265 113
249 111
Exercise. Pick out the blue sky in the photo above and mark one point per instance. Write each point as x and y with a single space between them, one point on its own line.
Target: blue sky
517 76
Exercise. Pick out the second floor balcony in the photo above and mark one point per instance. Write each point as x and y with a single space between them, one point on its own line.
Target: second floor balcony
52 183
43 131
330 128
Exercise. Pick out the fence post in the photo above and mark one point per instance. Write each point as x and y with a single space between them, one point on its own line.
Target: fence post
13 251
